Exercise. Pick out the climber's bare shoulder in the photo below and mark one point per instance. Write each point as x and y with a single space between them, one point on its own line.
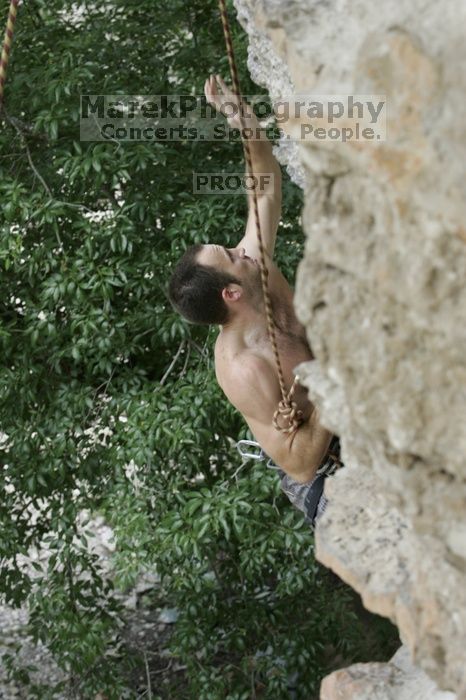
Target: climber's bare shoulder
248 380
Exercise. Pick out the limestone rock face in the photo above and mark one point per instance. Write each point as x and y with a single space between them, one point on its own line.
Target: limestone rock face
397 680
382 293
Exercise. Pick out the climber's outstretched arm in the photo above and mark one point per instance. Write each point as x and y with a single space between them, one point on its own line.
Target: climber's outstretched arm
269 200
263 163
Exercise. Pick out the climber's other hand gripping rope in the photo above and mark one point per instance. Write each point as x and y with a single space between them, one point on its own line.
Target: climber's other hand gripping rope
287 411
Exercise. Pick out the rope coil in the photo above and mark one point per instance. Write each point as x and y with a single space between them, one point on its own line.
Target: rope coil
287 417
8 38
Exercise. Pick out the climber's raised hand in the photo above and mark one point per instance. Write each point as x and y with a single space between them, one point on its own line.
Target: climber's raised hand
220 96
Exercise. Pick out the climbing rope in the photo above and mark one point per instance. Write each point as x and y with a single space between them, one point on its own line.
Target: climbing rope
10 25
287 417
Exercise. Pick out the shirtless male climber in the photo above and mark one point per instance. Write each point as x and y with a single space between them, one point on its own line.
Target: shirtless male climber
212 284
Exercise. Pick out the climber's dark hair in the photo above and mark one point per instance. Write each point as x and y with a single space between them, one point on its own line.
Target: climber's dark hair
196 290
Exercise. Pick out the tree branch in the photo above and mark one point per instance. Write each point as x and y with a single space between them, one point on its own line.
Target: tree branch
172 363
24 143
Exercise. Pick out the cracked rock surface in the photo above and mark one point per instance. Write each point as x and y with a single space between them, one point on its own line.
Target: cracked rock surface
381 291
397 680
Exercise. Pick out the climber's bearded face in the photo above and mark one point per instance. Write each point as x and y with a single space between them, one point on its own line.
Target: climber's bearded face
234 262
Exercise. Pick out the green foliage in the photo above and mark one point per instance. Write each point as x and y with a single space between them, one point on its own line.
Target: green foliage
99 373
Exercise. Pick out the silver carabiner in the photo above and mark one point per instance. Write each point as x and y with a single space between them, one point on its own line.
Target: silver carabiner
243 448
271 465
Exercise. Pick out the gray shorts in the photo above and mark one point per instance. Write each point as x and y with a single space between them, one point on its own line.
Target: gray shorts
308 497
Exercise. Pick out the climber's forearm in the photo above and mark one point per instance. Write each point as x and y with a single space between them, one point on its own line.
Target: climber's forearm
263 160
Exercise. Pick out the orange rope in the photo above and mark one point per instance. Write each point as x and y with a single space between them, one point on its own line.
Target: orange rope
10 25
287 409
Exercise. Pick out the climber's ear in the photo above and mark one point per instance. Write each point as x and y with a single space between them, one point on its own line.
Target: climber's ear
232 293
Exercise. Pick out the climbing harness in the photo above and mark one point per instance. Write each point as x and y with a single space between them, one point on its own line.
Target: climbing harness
10 25
287 418
308 497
